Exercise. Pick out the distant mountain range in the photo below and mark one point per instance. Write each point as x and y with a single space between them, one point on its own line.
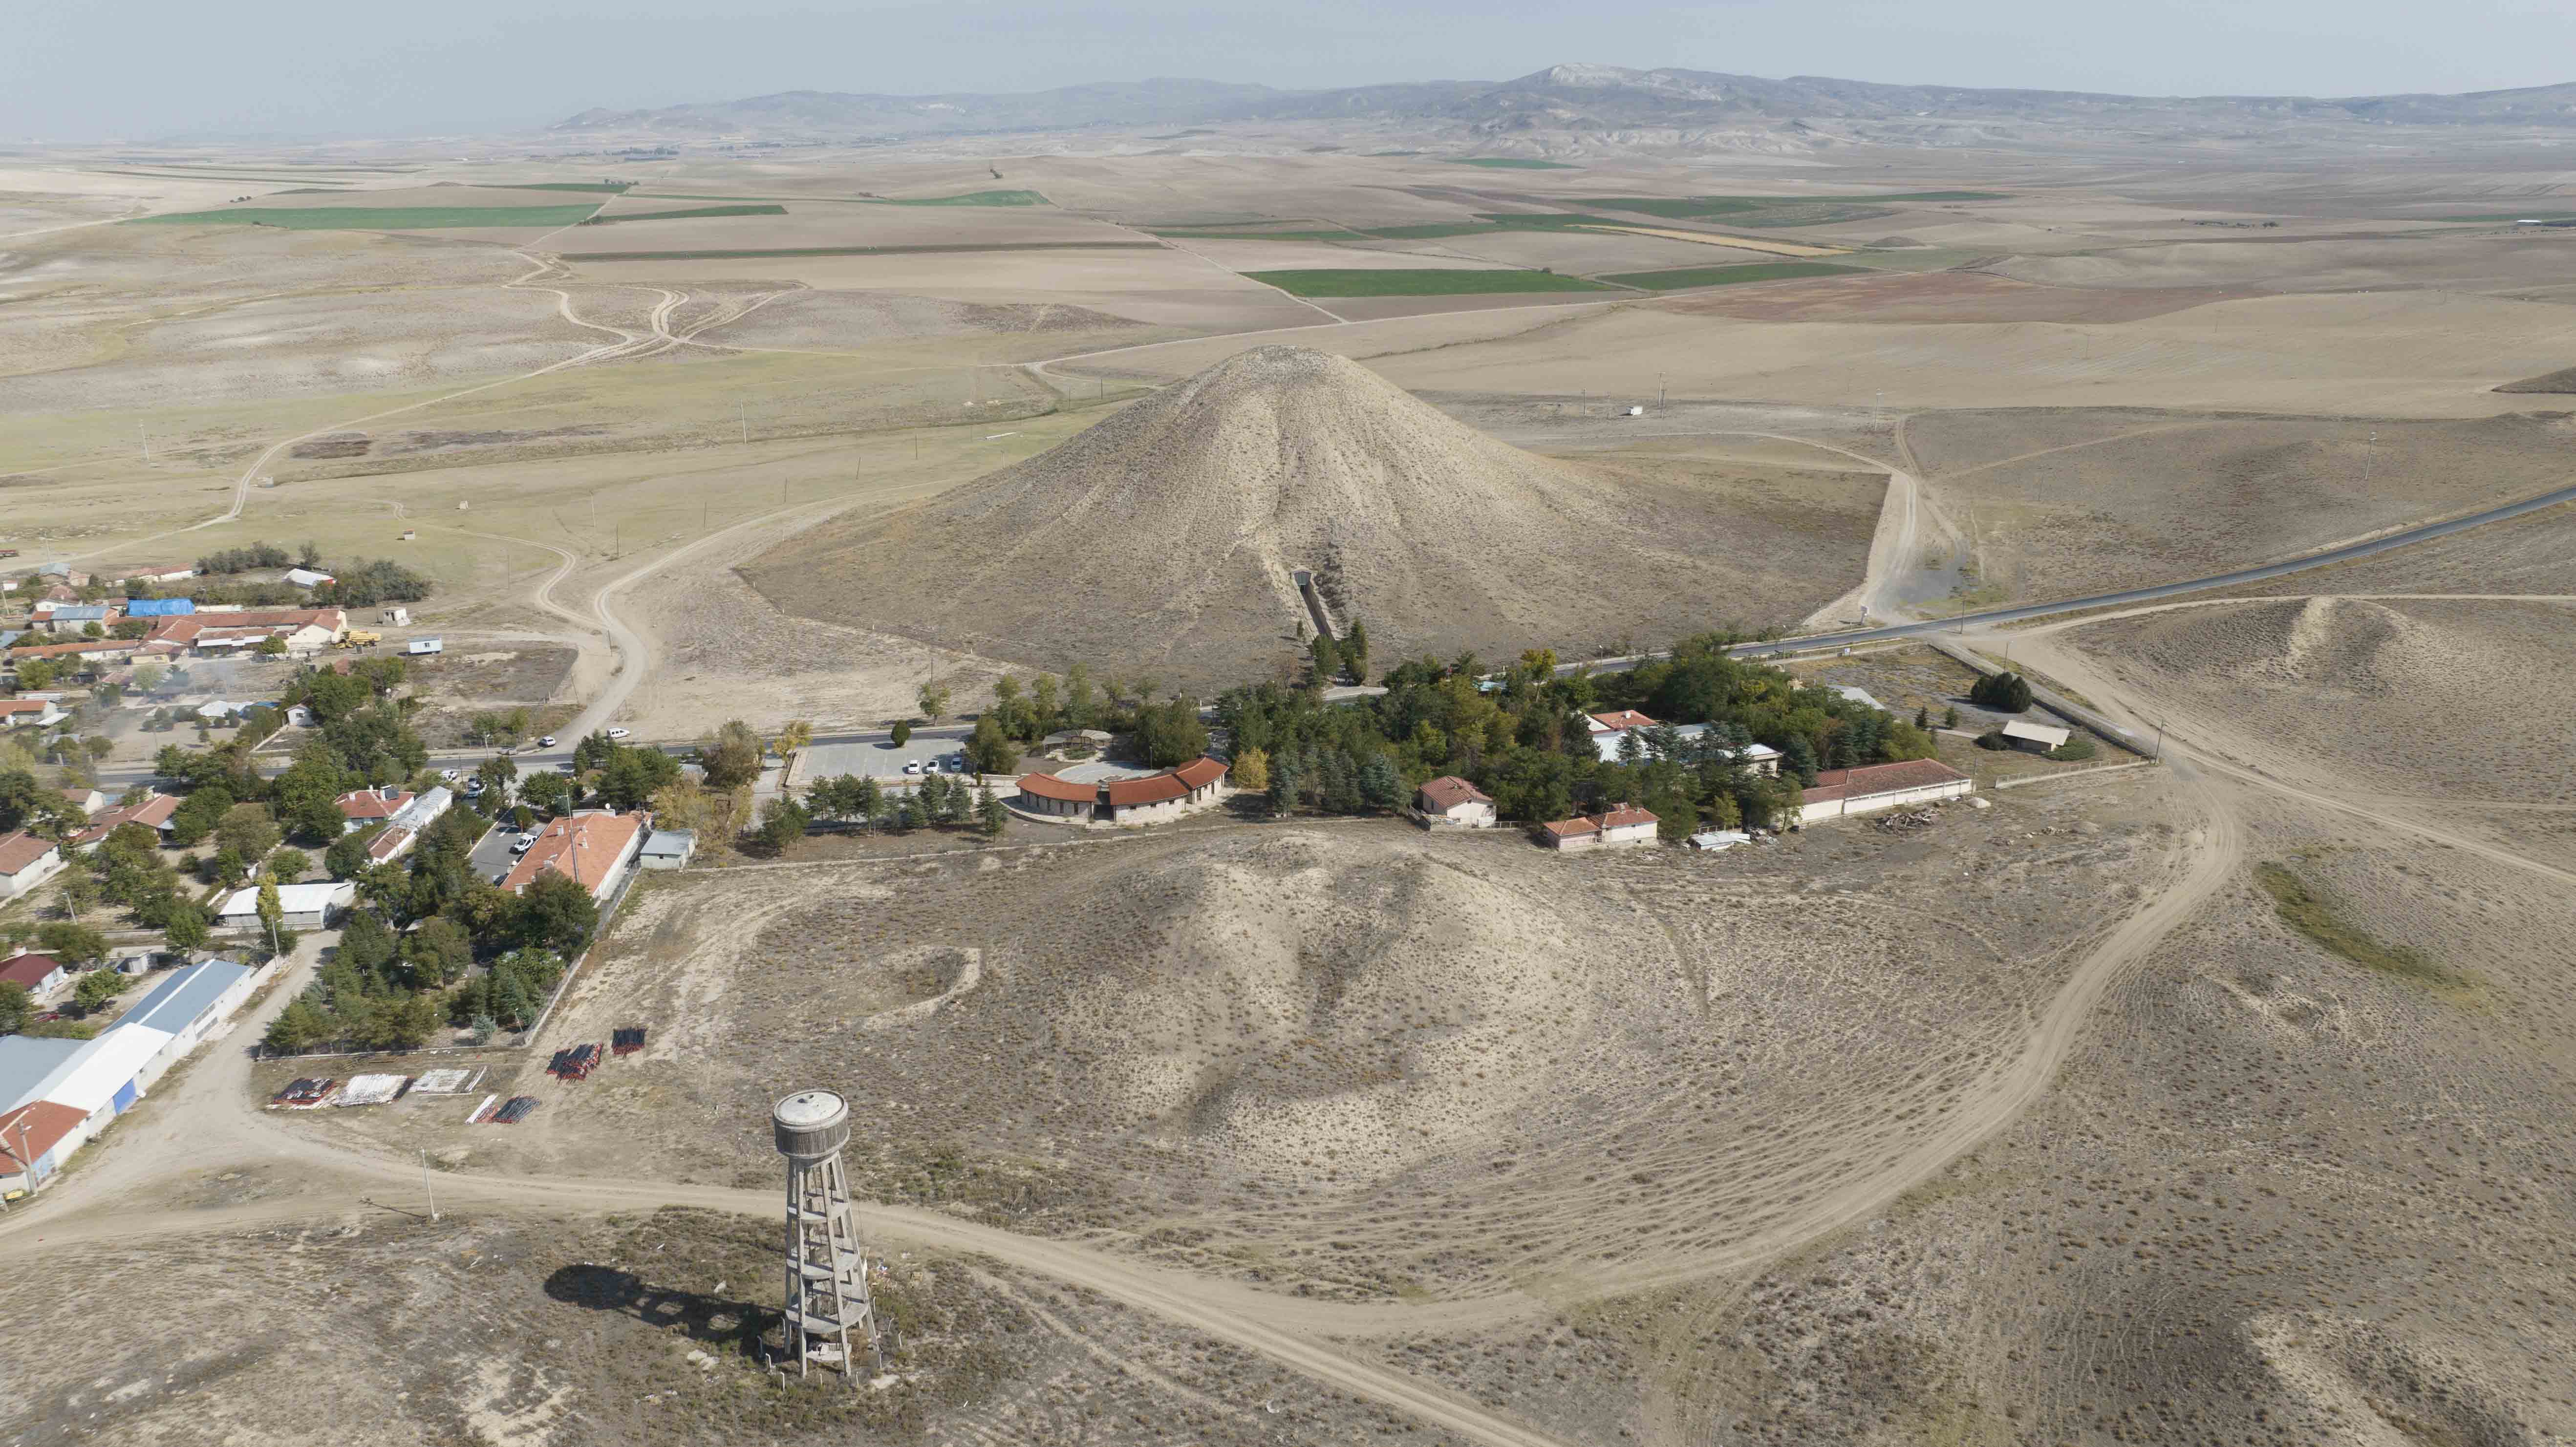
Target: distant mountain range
1562 98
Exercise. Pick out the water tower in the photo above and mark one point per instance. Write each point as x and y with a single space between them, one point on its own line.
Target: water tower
827 1278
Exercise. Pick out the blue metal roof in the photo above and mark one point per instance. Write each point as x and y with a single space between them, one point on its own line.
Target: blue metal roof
27 1062
160 607
80 613
176 1002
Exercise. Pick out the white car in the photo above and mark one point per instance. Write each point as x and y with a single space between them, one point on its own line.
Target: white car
619 733
547 742
523 844
448 774
912 766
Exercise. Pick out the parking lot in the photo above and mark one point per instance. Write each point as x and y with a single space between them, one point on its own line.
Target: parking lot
872 759
492 854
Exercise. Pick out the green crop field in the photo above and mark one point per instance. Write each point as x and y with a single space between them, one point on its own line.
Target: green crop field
752 253
975 198
687 211
374 218
1485 224
617 187
1511 163
1690 276
1424 282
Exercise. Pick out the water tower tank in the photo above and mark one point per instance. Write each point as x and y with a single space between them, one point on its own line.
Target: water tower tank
810 1125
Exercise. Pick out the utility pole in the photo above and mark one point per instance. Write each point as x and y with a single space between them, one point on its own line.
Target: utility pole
1659 391
426 1187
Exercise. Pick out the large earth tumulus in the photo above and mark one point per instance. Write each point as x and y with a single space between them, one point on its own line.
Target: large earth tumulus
1165 540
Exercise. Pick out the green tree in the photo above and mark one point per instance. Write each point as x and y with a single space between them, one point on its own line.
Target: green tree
782 822
35 673
554 913
901 734
290 865
73 944
98 987
1170 733
272 912
933 699
1355 650
498 774
632 776
368 946
17 1009
1283 791
185 928
301 1025
992 816
1950 718
547 791
247 830
989 750
347 856
733 757
1326 656
793 738
594 751
1380 787
437 952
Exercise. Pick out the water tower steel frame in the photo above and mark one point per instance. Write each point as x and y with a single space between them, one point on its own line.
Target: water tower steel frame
829 1313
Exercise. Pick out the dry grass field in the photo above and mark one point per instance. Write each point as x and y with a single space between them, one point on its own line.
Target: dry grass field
2065 503
1342 1055
2216 1101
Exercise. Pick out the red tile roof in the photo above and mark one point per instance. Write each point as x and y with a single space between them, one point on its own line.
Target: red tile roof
1048 786
388 844
1626 718
1153 789
28 970
1200 772
21 849
1449 791
1861 783
151 813
73 650
1617 816
367 804
35 1128
590 844
25 705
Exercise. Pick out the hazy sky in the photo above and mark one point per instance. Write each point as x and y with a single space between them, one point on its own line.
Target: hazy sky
84 69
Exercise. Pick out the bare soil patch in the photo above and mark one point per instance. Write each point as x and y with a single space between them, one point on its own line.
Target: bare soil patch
1944 296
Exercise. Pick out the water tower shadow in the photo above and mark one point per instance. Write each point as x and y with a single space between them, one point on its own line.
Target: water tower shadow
737 1326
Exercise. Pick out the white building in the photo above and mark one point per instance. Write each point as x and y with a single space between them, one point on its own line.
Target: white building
25 862
668 849
1880 787
188 1006
1608 729
307 906
307 578
1621 826
1450 802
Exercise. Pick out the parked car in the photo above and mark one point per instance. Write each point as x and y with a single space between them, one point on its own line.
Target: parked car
501 876
473 788
956 763
619 733
523 844
547 742
448 774
912 766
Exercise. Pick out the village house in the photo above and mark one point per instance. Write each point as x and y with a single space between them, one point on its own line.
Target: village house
71 618
1608 729
1452 803
33 973
1877 788
1153 799
593 847
25 862
216 630
1621 826
87 800
153 812
20 712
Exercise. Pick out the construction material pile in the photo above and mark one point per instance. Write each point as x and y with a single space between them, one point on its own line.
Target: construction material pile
575 1063
372 1089
627 1039
516 1111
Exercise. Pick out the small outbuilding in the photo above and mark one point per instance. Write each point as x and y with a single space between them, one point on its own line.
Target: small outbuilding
306 906
34 973
1450 802
668 849
2034 738
1713 840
